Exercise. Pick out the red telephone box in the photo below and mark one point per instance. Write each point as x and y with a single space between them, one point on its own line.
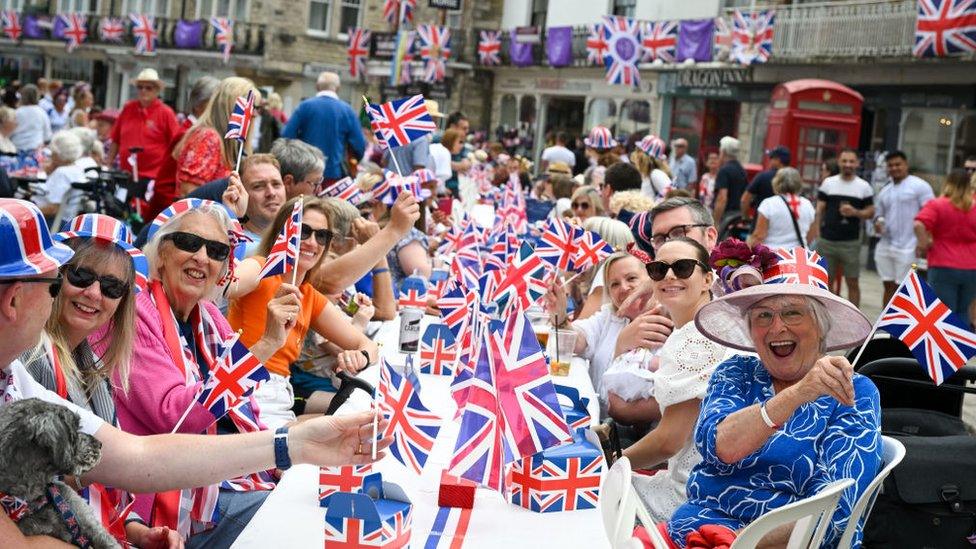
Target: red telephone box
815 119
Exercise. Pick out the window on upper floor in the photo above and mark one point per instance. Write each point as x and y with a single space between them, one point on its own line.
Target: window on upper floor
234 9
78 6
319 16
15 5
349 15
159 8
454 19
539 10
625 8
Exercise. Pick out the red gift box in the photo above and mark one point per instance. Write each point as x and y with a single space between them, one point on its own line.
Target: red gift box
456 492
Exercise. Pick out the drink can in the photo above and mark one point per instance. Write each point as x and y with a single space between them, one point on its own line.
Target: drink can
410 329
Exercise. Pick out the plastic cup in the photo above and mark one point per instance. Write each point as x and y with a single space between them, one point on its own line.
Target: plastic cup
561 356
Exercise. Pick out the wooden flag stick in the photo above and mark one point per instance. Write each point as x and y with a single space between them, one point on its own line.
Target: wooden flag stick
376 422
294 271
223 354
247 130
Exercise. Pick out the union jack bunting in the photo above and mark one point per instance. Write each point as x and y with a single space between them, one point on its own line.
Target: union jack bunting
752 36
558 243
623 37
413 292
144 32
401 121
596 45
344 478
391 10
224 35
234 377
937 337
435 50
358 51
75 30
283 256
566 484
240 119
660 41
412 426
346 190
111 29
798 266
490 47
590 251
11 25
945 27
438 351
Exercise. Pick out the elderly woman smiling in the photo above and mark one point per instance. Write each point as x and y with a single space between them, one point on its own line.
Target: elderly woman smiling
778 427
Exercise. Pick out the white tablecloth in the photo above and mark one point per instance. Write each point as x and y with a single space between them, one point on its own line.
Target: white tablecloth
291 517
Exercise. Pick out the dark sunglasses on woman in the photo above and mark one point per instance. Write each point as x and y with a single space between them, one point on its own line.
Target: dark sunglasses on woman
82 277
322 236
682 268
580 205
190 243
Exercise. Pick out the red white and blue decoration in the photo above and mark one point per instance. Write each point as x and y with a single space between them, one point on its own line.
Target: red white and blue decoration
558 243
438 351
283 256
75 30
524 280
591 250
653 146
564 478
12 28
144 33
342 478
108 229
624 50
435 50
937 337
413 292
798 266
402 9
380 517
401 121
945 27
600 138
358 52
752 36
412 426
437 285
490 48
224 35
722 48
596 44
235 376
660 41
111 29
240 119
29 249
346 190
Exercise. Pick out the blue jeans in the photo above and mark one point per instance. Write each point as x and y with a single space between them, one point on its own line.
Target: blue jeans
955 287
236 510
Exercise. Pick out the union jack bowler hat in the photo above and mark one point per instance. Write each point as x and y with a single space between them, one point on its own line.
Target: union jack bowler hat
108 229
28 248
600 138
799 272
652 145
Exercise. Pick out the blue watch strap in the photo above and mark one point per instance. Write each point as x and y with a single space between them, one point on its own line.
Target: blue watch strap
282 461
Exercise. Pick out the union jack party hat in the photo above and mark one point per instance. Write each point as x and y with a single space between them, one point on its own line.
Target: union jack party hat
652 145
108 229
600 138
797 272
28 248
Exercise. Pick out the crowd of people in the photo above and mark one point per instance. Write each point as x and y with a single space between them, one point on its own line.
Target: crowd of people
723 381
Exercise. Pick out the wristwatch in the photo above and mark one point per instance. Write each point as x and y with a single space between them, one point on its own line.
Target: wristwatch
282 459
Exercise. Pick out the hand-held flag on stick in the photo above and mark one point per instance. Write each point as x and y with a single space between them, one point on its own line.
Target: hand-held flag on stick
590 251
401 121
234 377
240 123
412 426
284 253
558 243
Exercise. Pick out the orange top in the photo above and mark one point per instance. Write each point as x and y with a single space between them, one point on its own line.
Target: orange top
249 313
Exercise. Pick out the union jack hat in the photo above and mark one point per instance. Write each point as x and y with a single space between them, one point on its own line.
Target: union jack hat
600 138
22 223
653 146
108 229
799 272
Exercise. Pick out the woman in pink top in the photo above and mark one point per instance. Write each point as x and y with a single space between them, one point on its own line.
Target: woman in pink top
946 231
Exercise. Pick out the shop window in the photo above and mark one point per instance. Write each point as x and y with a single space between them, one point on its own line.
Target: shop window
234 9
602 112
926 137
760 123
527 110
635 118
509 109
688 122
965 140
319 16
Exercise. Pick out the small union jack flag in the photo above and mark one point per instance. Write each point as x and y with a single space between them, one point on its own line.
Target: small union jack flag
490 48
413 292
412 426
435 50
660 41
344 478
75 30
945 27
11 25
401 121
240 119
345 189
623 37
144 32
563 484
558 243
234 377
283 256
596 44
524 280
752 36
937 337
590 251
224 35
798 266
438 351
111 29
455 305
358 51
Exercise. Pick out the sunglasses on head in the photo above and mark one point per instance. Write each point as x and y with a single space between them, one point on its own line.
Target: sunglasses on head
322 236
580 205
191 243
82 277
54 283
682 268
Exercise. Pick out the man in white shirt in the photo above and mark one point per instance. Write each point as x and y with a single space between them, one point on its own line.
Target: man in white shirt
897 204
558 152
684 170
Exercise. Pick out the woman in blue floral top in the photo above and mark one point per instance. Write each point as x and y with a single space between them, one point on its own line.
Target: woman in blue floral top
779 427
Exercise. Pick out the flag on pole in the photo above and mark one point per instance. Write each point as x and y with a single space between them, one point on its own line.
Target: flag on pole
283 256
412 426
144 32
240 118
234 377
224 35
358 51
75 30
401 121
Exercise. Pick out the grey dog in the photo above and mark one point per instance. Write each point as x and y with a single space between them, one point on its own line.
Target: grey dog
39 441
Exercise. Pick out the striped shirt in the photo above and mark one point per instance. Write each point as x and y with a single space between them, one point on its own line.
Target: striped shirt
95 396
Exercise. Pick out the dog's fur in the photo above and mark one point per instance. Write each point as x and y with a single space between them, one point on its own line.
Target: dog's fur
38 441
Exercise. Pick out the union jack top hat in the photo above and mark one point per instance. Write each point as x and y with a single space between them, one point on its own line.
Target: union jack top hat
799 272
600 138
653 146
22 223
108 229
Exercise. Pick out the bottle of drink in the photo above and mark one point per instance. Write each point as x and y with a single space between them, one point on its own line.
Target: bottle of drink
410 318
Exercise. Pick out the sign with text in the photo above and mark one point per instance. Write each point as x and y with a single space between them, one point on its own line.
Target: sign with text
445 4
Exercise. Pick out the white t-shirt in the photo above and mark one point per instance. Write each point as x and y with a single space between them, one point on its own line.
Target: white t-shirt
24 386
558 153
657 185
781 232
59 183
600 331
442 161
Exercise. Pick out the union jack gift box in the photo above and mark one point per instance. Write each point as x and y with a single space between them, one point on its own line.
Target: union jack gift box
345 478
563 478
379 516
574 409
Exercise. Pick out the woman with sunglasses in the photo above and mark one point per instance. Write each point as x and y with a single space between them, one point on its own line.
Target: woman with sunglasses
682 281
586 203
96 303
276 397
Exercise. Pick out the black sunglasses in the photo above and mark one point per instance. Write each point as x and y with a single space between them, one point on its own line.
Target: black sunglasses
53 289
682 268
189 242
580 205
322 236
81 277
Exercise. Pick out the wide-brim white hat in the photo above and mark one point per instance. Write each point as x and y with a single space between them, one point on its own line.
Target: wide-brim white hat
148 75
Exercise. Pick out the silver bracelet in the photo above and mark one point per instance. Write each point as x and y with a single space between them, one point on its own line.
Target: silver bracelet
766 419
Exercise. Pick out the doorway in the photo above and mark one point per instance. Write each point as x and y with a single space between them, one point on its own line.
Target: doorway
565 114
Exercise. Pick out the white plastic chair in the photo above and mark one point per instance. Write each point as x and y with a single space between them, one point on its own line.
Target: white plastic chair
811 515
621 507
893 451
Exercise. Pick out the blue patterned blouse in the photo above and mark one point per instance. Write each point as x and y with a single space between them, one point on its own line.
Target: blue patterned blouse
822 442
